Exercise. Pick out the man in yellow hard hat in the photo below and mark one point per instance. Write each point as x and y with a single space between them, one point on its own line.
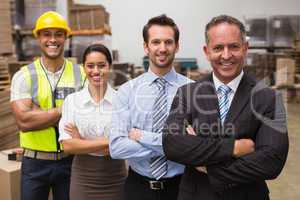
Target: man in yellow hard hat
37 93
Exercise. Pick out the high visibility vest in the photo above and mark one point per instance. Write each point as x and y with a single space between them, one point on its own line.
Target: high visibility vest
71 80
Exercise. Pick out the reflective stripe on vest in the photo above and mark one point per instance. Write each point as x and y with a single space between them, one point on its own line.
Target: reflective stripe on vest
42 95
34 85
34 80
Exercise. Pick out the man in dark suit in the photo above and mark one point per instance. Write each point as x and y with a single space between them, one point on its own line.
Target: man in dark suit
206 116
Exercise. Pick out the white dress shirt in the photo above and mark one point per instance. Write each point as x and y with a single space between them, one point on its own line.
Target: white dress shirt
92 119
234 84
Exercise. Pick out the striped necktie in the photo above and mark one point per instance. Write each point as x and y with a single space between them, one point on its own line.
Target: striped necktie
223 90
158 165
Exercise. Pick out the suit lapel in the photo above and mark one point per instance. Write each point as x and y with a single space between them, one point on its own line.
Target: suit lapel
240 98
211 103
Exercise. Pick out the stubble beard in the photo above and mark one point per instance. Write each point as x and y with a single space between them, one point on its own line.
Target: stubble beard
53 57
164 65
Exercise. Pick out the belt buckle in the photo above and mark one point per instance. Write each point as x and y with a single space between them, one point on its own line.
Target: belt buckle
156 185
58 156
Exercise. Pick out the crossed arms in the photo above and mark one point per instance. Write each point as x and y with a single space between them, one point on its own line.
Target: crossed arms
266 162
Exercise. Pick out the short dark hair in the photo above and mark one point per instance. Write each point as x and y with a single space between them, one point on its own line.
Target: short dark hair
225 19
97 48
161 20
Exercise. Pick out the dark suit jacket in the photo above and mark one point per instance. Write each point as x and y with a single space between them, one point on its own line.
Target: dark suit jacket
256 112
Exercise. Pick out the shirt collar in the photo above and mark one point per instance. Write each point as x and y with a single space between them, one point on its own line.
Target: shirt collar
49 72
109 94
232 84
170 77
87 98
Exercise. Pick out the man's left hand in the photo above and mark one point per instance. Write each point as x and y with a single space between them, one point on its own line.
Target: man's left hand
201 169
135 134
189 129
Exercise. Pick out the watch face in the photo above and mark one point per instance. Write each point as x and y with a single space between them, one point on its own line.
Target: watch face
63 92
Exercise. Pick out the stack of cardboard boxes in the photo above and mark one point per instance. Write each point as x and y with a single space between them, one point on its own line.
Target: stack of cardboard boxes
296 55
9 136
35 8
121 73
285 79
262 66
4 75
197 74
284 29
285 72
89 24
87 17
81 42
5 28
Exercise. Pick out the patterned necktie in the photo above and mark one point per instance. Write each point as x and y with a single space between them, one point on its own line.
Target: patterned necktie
223 90
158 165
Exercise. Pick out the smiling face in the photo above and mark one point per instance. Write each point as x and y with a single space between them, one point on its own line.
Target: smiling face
161 46
96 68
52 42
226 51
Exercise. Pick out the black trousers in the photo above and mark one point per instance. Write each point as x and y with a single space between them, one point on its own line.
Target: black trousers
137 187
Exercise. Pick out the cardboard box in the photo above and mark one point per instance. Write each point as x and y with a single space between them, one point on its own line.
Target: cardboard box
197 74
285 71
121 73
4 5
10 177
295 55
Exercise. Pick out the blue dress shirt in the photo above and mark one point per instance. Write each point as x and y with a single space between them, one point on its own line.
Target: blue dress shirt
133 108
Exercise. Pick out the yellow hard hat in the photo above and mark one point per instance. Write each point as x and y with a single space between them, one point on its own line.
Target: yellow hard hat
51 19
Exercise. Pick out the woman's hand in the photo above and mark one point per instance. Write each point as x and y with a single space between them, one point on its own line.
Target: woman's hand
104 152
72 130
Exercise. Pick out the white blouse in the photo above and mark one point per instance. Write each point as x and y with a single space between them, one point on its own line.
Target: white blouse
92 119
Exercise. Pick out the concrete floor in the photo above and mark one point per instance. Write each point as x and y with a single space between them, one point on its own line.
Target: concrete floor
287 185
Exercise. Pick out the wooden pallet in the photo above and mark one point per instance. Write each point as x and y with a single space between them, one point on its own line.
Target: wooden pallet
4 77
100 31
9 136
8 67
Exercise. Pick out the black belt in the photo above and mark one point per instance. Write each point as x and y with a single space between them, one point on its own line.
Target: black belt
155 184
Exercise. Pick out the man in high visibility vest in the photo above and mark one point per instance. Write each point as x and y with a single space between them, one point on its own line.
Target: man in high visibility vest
37 93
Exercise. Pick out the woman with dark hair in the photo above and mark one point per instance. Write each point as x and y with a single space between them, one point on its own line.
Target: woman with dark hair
84 128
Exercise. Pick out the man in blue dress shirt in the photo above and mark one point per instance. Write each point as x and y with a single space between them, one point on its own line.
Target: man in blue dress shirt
141 107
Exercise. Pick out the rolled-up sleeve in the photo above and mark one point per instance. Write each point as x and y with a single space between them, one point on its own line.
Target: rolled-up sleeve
67 116
19 87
